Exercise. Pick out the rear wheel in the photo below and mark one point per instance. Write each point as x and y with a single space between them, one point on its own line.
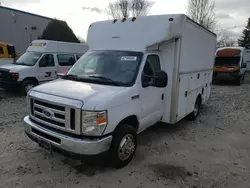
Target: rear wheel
196 111
123 146
27 85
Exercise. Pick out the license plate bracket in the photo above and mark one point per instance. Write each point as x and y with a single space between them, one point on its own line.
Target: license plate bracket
45 145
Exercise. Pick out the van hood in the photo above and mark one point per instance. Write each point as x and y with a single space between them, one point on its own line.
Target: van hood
13 67
92 95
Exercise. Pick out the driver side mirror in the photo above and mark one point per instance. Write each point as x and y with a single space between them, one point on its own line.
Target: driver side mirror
244 65
60 75
160 80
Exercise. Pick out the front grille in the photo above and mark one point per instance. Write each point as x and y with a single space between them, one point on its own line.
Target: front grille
53 115
4 75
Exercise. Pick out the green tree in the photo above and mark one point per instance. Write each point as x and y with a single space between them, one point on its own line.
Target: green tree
245 38
59 31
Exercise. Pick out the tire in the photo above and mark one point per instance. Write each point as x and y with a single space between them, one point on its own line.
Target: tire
127 135
238 81
193 115
243 78
27 85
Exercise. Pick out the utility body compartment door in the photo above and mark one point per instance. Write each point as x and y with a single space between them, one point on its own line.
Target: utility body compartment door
183 95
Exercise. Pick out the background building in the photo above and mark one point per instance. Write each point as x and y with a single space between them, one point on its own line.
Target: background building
20 28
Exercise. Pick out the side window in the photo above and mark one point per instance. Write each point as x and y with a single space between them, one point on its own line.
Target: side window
78 56
152 65
1 50
66 60
47 61
11 50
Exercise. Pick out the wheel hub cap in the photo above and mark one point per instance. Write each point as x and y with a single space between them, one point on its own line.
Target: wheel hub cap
127 147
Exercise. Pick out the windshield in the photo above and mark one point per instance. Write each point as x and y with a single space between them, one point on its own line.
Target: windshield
227 61
107 67
28 59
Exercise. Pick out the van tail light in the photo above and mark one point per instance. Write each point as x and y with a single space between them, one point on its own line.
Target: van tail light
14 76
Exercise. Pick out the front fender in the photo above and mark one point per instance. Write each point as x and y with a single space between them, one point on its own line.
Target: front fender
117 114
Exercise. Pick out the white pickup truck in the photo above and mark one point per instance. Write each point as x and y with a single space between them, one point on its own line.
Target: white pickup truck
137 72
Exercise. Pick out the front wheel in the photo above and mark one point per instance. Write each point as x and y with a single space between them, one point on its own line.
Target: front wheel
27 85
196 111
123 146
238 81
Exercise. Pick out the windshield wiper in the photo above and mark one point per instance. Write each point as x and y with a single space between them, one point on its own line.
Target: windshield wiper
21 64
109 80
103 78
71 77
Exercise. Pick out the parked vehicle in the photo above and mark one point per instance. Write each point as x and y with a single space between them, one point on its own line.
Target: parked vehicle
230 64
247 58
41 62
7 53
138 72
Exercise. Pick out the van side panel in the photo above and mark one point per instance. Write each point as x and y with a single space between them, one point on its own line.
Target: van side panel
247 59
198 49
196 67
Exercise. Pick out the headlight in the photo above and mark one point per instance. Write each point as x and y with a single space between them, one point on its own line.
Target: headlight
94 123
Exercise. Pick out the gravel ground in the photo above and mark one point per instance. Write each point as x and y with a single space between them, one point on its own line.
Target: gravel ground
213 151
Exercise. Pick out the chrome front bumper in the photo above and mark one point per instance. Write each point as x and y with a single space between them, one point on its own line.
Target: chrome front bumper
86 146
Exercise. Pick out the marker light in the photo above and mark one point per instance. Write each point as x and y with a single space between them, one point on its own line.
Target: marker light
133 19
171 19
14 76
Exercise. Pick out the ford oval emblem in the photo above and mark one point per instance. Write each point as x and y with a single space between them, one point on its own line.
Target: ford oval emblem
48 113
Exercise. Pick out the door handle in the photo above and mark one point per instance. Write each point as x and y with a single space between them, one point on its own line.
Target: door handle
162 96
186 93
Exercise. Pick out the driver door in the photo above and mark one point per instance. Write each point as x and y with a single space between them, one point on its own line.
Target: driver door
46 70
151 97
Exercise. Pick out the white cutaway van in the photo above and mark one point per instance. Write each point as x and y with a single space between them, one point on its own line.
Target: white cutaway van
138 71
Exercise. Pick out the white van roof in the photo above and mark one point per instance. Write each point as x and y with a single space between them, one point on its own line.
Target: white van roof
231 47
135 35
242 49
48 46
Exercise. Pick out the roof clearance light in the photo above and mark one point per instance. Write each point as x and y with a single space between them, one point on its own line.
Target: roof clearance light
31 44
124 19
171 19
133 19
44 44
115 20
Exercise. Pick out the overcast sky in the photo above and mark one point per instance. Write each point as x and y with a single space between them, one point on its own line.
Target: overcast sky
81 13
